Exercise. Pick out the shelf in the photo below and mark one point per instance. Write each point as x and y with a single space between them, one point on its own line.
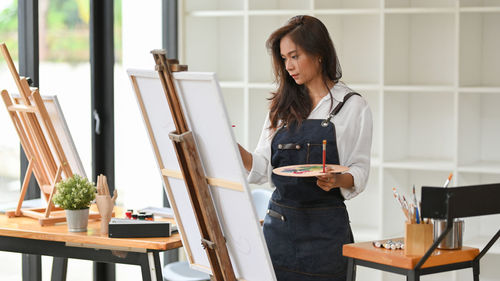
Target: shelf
267 86
420 164
414 88
364 209
430 4
479 90
479 128
419 126
487 4
278 4
356 40
420 49
375 162
359 61
479 45
480 242
232 84
475 178
480 10
288 13
363 87
434 105
419 11
479 231
258 109
482 167
216 13
346 4
196 5
373 99
211 42
347 12
364 233
260 61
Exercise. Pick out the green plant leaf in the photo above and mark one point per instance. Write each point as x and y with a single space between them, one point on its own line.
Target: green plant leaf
74 193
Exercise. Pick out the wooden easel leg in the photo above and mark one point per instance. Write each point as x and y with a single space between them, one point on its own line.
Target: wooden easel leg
49 202
24 189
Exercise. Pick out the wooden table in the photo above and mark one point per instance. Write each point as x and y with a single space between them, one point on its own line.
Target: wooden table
25 235
365 254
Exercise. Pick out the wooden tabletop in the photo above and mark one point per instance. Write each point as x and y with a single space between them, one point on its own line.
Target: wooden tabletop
24 227
366 251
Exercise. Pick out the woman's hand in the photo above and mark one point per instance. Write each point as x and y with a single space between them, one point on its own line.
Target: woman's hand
327 182
246 157
333 180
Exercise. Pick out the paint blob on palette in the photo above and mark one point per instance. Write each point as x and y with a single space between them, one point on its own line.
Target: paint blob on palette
308 170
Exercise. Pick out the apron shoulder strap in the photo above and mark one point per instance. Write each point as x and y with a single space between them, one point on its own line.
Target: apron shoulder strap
341 104
337 109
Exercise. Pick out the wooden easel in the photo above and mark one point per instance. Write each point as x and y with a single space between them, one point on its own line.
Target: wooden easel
190 162
47 160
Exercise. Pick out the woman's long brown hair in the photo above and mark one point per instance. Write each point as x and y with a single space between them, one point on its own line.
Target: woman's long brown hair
291 102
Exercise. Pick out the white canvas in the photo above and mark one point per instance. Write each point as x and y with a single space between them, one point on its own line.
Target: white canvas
207 118
62 131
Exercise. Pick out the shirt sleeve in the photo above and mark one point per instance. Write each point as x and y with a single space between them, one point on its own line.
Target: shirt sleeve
261 157
356 147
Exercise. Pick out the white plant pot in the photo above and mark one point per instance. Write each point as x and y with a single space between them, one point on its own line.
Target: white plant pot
77 220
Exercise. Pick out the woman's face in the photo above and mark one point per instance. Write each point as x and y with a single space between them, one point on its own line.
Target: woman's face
302 67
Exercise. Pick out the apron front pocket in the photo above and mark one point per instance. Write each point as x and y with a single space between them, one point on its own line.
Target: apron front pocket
278 238
319 236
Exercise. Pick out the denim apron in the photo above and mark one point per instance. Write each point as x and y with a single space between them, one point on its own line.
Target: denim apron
305 226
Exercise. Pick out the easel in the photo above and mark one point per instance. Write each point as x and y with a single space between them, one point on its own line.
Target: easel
194 177
39 140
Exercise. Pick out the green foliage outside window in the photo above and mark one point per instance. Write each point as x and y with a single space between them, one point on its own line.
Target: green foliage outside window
8 27
64 29
74 193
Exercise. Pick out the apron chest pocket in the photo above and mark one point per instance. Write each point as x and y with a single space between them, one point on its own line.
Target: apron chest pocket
313 150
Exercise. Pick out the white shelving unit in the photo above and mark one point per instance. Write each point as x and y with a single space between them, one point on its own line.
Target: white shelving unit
428 68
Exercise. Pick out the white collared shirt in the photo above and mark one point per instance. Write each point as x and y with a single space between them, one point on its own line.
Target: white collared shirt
353 126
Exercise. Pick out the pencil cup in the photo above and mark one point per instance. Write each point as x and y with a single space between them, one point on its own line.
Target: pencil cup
418 238
105 205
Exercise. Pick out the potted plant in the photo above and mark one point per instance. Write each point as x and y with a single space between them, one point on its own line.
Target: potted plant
74 195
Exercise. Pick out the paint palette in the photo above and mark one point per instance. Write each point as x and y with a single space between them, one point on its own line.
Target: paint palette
308 170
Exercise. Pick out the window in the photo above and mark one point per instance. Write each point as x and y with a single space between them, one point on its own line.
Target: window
9 141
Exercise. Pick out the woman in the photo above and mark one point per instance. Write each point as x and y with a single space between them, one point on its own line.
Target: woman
307 222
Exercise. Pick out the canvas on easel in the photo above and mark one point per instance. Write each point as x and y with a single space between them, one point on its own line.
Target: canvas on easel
206 116
46 141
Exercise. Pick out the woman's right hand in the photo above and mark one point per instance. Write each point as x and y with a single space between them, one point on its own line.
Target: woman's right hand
246 157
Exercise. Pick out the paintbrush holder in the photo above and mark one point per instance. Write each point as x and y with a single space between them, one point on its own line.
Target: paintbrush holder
452 240
105 205
418 238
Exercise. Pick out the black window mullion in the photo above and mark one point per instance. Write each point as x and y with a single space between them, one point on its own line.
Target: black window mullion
29 67
170 43
102 62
